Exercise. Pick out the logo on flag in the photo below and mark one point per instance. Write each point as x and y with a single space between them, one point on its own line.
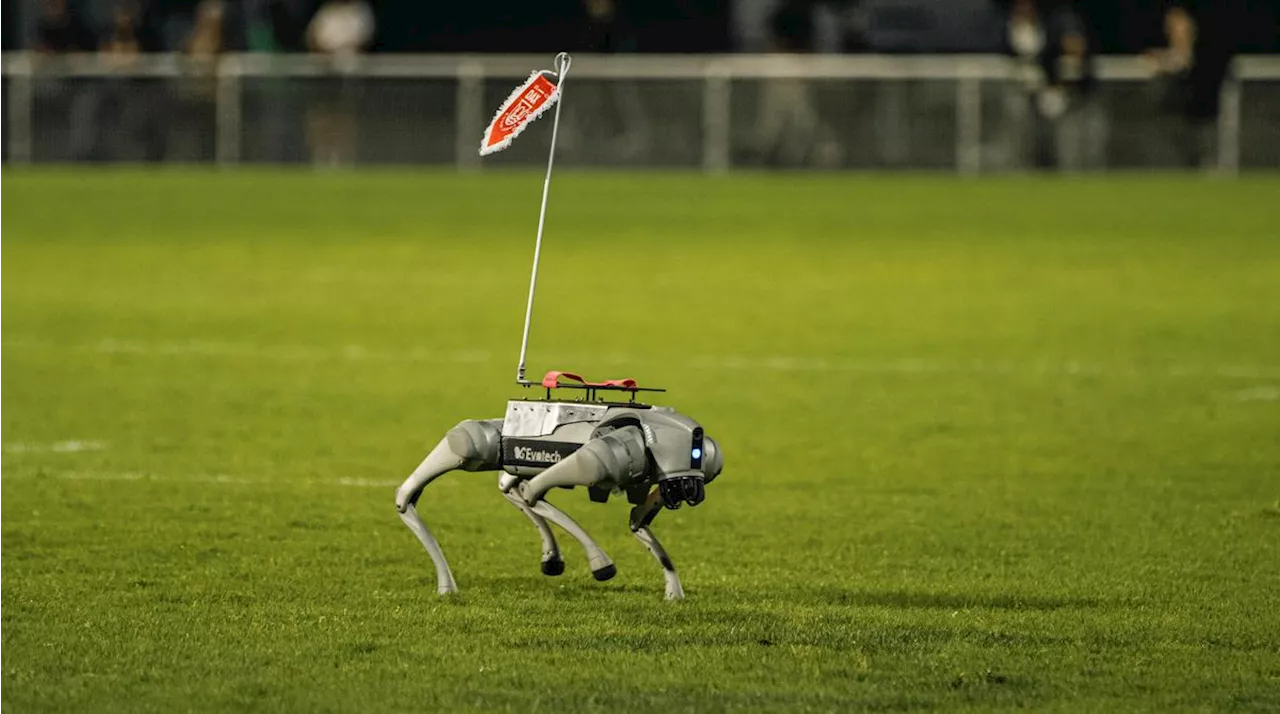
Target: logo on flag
525 104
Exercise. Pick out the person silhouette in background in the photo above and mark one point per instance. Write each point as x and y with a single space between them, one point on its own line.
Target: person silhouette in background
788 129
205 42
1062 125
61 31
196 95
272 27
607 120
132 106
1171 64
1189 71
340 30
1068 100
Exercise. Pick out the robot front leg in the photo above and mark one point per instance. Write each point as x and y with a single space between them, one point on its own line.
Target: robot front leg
541 511
602 567
616 457
552 561
641 517
469 446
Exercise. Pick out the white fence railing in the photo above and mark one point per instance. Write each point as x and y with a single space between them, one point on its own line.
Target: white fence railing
967 113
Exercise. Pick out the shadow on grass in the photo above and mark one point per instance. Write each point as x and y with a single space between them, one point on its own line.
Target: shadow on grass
570 586
949 601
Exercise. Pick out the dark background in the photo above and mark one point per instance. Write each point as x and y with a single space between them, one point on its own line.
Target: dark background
1120 26
678 26
675 26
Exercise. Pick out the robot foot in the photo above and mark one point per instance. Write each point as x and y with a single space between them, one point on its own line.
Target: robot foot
605 573
553 567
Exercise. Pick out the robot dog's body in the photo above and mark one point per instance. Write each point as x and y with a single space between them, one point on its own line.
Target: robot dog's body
653 455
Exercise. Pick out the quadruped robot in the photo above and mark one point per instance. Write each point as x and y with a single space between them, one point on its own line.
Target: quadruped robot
654 455
602 439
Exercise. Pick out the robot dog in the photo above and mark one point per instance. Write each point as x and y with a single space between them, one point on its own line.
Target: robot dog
654 455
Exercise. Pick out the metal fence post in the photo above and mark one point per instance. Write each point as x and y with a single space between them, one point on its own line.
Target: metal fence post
20 108
1229 127
228 112
469 119
716 118
968 122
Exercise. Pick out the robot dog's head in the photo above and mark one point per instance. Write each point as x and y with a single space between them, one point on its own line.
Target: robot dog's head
680 459
689 485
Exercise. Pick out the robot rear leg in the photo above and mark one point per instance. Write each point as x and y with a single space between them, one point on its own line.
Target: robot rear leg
469 446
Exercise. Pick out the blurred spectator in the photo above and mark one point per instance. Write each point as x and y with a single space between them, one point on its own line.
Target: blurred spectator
608 29
195 106
1220 34
61 30
608 120
1062 123
130 112
274 26
791 27
788 128
1068 99
1025 41
340 29
841 26
1171 64
206 39
1172 90
121 41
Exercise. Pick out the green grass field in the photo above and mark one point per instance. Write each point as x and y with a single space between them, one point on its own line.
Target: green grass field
992 444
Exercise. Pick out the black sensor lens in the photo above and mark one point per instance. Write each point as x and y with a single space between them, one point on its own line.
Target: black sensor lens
682 489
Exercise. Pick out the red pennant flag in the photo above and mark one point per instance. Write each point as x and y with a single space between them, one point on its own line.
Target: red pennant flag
525 104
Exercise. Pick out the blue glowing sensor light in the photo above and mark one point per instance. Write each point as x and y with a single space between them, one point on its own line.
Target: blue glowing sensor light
697 453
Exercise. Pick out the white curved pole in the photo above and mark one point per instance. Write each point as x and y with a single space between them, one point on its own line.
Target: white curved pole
562 70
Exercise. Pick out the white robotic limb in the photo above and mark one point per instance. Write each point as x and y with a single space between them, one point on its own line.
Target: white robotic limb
674 590
616 458
641 517
469 446
552 561
440 461
602 567
475 446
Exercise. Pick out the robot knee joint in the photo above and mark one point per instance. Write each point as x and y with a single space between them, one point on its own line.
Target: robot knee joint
407 496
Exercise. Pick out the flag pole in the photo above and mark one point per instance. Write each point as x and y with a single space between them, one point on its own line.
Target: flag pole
562 70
